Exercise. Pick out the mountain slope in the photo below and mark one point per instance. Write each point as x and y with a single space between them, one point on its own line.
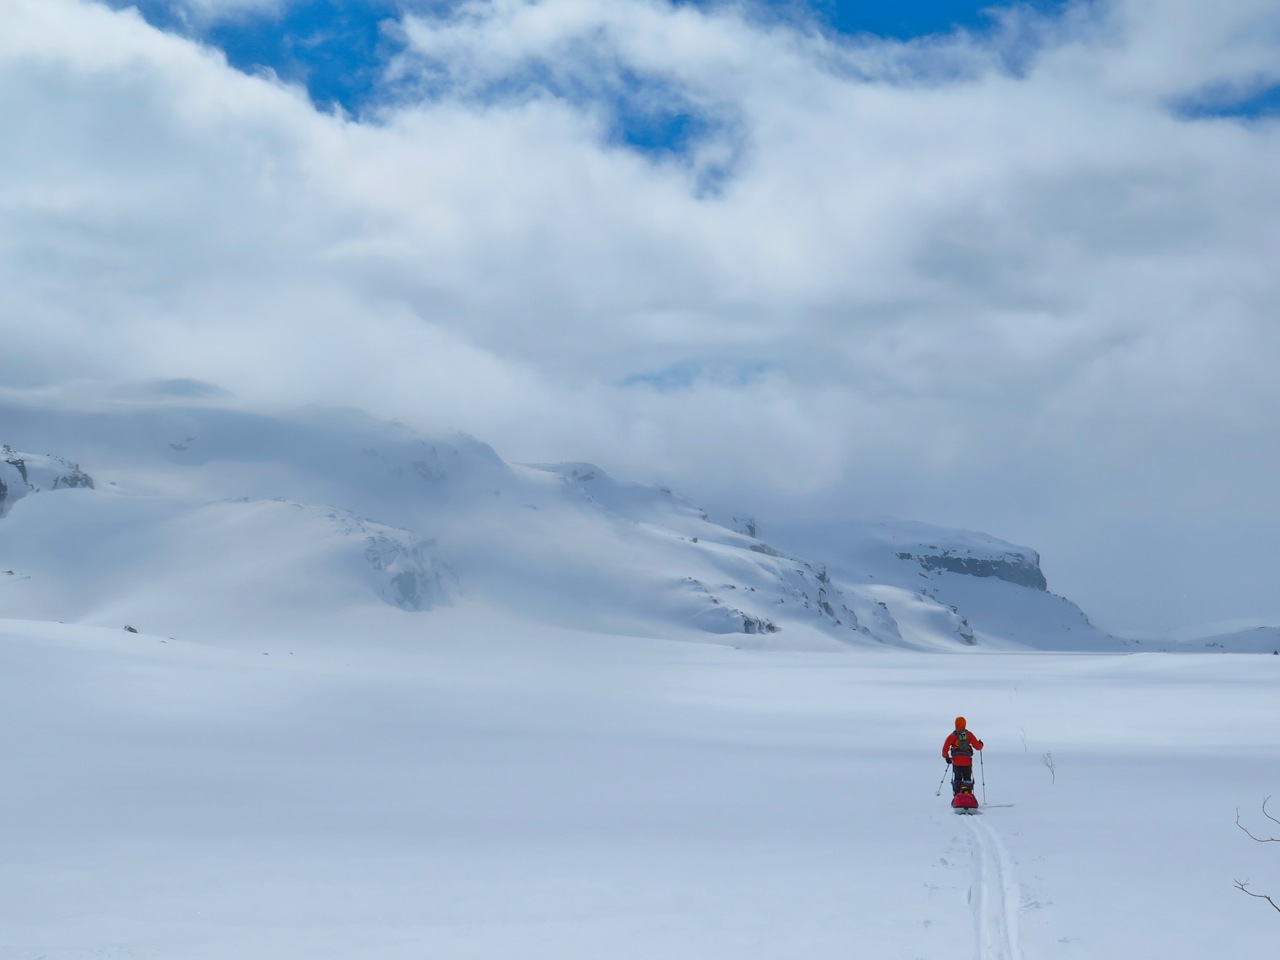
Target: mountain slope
224 508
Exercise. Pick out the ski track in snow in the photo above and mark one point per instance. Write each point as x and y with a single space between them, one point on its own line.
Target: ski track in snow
994 896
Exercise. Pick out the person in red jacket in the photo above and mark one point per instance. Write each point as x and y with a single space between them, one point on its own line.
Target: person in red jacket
958 752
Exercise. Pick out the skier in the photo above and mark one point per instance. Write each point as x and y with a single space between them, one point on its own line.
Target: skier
958 752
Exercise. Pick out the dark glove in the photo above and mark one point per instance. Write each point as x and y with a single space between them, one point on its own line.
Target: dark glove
948 763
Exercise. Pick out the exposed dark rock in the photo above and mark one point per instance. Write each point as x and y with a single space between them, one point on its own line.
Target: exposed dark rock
415 581
1014 568
75 478
758 625
12 458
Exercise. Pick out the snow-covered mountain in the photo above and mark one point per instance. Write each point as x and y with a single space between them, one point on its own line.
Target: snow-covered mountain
169 506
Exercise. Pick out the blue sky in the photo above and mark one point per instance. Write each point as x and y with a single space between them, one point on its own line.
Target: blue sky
335 47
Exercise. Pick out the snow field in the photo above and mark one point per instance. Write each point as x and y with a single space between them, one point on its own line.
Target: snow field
483 794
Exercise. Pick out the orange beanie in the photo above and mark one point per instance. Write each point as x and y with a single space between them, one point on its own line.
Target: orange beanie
960 722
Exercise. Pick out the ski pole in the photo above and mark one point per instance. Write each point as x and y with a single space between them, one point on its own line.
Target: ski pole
944 780
982 767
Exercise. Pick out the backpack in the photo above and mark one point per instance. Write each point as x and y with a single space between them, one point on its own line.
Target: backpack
963 747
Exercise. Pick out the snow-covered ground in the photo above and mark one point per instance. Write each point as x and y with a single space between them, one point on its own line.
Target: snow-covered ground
493 791
384 697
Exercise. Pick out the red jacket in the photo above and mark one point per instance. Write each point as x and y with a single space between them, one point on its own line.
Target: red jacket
959 760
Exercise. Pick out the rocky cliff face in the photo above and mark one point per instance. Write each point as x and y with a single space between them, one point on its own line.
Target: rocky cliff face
412 577
6 479
1022 569
24 473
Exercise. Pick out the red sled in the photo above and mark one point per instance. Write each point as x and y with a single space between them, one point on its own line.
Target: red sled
964 801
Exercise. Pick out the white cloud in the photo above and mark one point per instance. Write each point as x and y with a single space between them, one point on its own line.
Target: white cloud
213 11
995 282
1173 48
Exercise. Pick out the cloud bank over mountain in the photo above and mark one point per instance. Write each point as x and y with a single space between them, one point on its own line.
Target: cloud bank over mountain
1018 280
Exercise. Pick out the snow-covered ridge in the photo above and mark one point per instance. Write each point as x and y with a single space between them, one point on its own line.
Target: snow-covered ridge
21 474
956 551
